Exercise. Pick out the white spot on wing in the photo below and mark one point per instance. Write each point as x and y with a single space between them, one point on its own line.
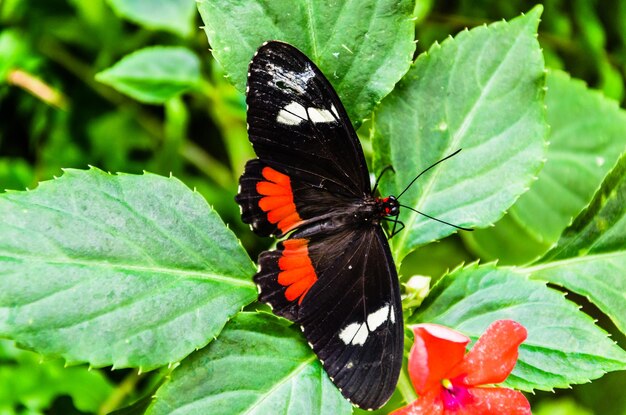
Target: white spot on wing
292 114
356 333
317 115
378 317
361 335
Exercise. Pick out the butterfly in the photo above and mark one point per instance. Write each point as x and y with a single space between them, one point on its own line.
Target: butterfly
334 274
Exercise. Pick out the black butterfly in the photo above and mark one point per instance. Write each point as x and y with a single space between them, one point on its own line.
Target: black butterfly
334 275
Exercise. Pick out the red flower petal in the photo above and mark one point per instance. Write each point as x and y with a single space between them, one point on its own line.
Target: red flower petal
424 405
437 349
494 401
494 355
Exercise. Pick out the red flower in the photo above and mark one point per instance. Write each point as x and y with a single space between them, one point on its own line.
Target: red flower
449 382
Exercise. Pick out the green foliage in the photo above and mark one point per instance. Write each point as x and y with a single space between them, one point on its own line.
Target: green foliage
288 378
590 257
154 75
364 49
587 135
97 269
437 109
33 383
561 407
15 53
139 271
173 15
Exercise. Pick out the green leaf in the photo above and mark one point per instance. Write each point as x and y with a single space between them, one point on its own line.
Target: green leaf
508 242
129 271
32 383
15 174
257 366
363 47
154 74
173 15
16 53
448 101
590 257
564 346
561 406
587 136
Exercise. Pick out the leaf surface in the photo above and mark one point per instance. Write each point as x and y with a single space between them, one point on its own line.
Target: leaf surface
363 47
154 74
257 366
173 15
449 101
129 271
590 257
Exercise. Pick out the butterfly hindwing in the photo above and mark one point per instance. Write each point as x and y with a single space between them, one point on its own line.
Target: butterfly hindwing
342 289
266 199
275 201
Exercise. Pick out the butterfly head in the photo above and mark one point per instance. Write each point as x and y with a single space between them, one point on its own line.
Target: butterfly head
389 206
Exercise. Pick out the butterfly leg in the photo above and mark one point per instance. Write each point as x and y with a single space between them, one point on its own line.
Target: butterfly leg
395 223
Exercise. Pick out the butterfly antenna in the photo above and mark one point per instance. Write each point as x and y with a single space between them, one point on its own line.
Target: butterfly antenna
380 176
438 220
424 171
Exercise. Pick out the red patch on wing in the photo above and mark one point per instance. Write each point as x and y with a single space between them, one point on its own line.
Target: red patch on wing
277 199
297 272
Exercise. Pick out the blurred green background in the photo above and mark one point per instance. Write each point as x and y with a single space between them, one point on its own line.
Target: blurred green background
55 114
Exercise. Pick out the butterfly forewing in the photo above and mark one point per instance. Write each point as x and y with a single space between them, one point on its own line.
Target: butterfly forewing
334 275
296 120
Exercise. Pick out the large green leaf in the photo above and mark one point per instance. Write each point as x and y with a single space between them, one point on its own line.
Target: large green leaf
129 271
483 92
564 346
363 47
587 136
154 74
590 257
257 366
172 15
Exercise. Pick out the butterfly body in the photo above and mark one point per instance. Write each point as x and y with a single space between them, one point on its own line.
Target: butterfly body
334 274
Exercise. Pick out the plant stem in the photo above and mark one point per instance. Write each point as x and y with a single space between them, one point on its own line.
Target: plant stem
37 88
406 388
125 388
